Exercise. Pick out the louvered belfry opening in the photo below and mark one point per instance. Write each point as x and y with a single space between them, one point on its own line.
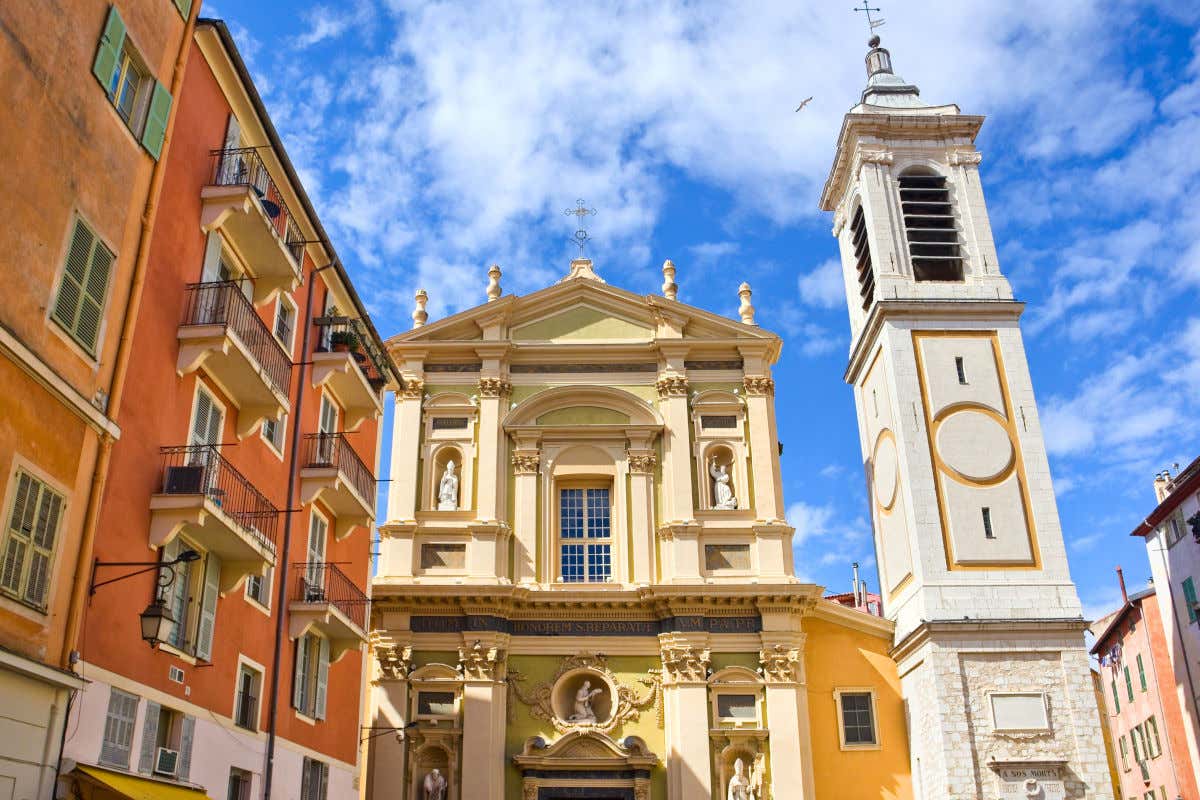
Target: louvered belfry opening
862 258
932 234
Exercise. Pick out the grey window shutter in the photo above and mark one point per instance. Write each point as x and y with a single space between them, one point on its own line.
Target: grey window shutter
44 532
305 779
208 607
149 737
186 734
20 528
91 306
324 790
300 677
109 53
322 679
118 728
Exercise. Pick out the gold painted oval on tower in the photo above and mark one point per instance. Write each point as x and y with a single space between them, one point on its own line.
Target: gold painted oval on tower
886 470
975 446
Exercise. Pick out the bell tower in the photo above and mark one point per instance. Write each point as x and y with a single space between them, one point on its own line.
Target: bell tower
972 563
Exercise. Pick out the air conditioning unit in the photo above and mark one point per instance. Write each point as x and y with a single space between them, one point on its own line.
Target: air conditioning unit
166 762
184 480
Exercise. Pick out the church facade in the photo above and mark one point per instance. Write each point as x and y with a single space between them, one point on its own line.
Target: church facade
586 585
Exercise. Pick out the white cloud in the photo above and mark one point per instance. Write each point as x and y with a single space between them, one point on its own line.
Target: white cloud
808 520
823 286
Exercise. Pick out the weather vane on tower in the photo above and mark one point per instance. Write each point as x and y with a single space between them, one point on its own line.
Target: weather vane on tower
580 238
872 24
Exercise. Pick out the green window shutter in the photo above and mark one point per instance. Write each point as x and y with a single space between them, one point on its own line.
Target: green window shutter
208 608
156 121
108 54
79 306
1128 684
1189 594
184 6
20 529
45 530
29 540
1141 672
1116 697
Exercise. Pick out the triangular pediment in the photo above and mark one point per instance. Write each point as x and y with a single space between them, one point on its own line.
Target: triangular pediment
584 322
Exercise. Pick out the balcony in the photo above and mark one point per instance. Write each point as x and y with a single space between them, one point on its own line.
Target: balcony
222 332
204 498
347 362
324 598
334 474
244 203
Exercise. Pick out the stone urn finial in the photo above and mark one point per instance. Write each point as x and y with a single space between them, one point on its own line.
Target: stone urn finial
419 315
745 310
669 288
493 287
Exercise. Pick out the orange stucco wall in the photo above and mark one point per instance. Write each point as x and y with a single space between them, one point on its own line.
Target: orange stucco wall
156 413
844 658
66 153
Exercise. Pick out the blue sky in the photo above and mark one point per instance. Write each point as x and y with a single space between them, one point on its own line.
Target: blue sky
437 138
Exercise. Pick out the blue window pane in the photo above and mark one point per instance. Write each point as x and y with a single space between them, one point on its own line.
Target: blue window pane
599 562
571 513
572 563
599 521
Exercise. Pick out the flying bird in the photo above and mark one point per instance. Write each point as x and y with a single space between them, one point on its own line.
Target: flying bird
802 105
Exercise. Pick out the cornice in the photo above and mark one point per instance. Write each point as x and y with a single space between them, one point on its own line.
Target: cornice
1032 631
924 311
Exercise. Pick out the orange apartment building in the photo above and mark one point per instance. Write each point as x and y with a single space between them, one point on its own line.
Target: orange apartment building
246 471
1141 707
84 129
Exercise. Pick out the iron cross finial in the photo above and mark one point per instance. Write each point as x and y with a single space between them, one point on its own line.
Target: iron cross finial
580 238
872 24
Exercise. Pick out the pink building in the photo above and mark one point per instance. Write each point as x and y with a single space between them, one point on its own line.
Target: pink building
1141 707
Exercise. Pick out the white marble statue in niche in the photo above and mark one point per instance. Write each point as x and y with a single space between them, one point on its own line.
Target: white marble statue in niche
434 786
739 784
721 491
584 713
448 489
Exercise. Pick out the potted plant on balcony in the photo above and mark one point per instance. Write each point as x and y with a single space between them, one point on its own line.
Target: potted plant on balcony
343 341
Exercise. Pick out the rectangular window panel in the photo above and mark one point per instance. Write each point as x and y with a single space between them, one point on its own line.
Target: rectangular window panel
29 540
435 704
118 729
449 423
718 421
443 556
858 723
572 563
571 513
599 562
598 512
736 706
719 557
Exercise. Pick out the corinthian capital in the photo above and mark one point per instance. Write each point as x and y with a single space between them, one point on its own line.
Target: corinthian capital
412 388
494 387
759 385
672 385
481 663
781 664
642 463
525 463
685 663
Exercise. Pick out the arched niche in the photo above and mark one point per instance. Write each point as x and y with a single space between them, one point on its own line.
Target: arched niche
449 420
719 431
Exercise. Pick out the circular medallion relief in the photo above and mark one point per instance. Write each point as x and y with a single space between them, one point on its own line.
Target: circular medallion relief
886 477
583 697
974 445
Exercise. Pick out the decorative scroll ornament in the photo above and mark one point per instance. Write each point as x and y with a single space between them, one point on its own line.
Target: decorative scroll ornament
642 463
671 385
965 158
627 705
780 664
525 463
481 663
412 388
684 663
494 387
395 661
759 385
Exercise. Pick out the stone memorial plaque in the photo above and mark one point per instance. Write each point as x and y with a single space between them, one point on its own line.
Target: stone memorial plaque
1030 783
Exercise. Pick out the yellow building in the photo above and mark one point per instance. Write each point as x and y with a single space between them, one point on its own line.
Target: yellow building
586 587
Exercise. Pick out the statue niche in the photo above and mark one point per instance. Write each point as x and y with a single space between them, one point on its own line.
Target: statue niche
448 489
722 487
582 698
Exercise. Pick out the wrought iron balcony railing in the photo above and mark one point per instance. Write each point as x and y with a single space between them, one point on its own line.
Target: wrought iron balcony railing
322 582
223 303
332 450
243 166
201 469
373 362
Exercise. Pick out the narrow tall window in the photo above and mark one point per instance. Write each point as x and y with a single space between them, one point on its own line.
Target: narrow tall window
245 704
311 678
929 222
987 524
1141 672
1128 685
961 369
314 781
862 258
1117 701
585 533
118 729
1189 597
79 305
29 541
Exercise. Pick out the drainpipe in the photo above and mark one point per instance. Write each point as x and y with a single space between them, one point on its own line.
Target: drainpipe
282 576
116 386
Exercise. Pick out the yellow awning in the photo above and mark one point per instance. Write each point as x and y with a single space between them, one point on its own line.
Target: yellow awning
137 788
